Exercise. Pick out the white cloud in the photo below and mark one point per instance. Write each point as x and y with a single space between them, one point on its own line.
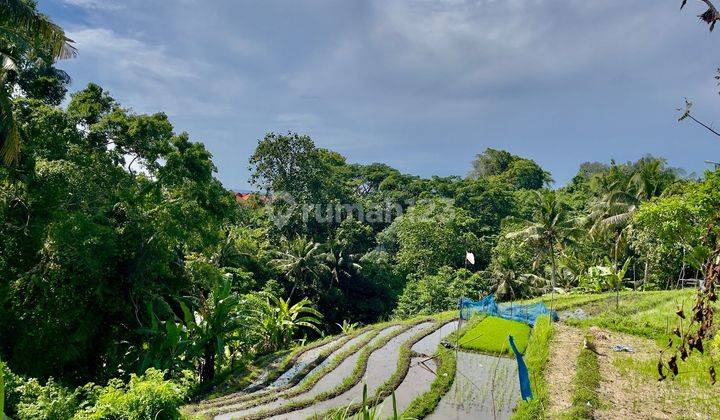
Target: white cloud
128 56
456 51
96 4
145 76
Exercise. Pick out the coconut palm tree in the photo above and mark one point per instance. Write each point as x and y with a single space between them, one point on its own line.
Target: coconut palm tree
301 261
622 193
23 33
341 263
549 229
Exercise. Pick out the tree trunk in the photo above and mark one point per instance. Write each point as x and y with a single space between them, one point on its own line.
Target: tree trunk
552 277
292 291
207 371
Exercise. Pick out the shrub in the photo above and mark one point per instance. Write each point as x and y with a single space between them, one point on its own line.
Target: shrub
146 397
49 402
28 399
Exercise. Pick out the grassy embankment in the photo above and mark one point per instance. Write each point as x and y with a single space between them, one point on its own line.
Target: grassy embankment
651 317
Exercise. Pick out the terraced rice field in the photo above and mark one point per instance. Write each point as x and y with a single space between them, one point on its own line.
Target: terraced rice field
324 378
483 385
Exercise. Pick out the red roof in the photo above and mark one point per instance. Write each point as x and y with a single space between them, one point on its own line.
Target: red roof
242 197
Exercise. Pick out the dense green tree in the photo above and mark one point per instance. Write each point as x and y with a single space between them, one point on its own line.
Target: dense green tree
429 294
525 174
491 162
88 243
621 190
489 202
433 234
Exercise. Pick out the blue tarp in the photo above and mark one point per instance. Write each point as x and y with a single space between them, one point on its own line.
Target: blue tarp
525 390
523 313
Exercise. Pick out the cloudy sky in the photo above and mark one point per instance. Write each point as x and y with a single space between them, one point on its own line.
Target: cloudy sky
421 85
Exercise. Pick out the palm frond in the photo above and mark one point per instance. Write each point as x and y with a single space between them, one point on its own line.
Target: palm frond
37 29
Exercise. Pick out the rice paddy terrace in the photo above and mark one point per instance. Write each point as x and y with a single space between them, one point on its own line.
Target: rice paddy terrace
412 361
439 368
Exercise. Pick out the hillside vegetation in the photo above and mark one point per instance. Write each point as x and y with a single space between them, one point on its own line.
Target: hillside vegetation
133 282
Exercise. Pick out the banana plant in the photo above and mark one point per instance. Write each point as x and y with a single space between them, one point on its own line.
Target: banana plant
280 320
615 277
166 343
218 319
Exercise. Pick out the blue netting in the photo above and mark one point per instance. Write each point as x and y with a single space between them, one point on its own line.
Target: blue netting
522 313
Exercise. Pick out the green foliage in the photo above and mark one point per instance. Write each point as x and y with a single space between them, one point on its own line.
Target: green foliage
602 278
525 174
2 389
516 171
148 396
491 336
302 263
549 229
47 402
536 358
491 162
433 234
27 37
347 327
280 321
488 202
144 397
93 243
223 316
644 314
429 294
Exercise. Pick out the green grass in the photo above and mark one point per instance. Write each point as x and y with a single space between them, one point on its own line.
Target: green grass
691 389
491 336
567 301
536 358
585 398
645 314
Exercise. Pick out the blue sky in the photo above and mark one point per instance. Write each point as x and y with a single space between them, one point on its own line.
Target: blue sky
420 85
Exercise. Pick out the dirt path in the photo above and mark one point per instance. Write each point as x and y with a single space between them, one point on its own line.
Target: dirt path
564 350
631 395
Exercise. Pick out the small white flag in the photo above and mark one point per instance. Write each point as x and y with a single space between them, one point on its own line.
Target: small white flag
470 257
